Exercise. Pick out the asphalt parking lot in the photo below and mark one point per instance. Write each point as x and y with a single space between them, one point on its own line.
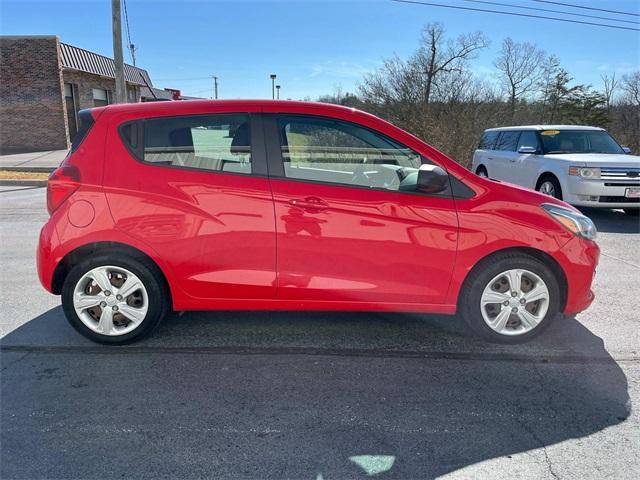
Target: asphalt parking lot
317 396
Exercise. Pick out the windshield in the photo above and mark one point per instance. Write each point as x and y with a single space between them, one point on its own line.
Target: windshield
578 141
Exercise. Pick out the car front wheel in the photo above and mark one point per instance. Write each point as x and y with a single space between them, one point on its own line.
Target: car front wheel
510 299
114 299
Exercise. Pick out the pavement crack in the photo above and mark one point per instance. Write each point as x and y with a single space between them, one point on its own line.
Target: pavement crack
542 390
620 260
550 358
19 359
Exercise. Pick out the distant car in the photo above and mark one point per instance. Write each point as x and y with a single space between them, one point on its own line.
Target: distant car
296 206
583 166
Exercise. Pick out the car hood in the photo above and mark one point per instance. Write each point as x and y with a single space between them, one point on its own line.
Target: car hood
598 159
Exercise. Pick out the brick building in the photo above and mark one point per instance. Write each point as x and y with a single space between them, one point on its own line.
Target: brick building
44 83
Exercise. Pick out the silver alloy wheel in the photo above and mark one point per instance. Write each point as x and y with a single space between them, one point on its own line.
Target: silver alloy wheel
514 302
548 188
482 173
110 300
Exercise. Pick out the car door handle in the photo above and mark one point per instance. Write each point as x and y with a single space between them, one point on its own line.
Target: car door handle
309 203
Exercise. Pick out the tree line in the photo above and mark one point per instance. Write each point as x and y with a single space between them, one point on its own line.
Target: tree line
436 95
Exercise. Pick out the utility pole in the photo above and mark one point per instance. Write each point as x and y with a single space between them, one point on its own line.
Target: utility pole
215 87
273 86
278 92
116 18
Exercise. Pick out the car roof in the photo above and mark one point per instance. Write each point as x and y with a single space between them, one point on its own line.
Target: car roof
544 127
183 105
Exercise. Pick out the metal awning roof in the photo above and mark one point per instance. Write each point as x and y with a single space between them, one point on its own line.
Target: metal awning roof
85 61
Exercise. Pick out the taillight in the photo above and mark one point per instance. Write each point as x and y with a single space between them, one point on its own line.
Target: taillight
62 183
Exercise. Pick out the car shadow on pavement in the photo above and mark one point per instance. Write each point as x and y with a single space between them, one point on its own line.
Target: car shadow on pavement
296 395
613 221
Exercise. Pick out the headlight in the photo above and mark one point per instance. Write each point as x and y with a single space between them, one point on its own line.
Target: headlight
573 221
585 172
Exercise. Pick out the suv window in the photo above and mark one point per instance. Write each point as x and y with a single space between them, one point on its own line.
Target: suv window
507 141
208 142
329 150
529 139
488 140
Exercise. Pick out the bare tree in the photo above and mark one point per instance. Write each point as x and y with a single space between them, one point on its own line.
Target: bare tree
438 56
631 87
610 84
520 68
550 70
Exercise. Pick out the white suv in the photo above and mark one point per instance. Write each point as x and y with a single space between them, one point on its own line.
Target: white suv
583 166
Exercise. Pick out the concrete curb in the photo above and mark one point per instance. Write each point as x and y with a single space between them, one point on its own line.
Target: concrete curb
29 169
23 183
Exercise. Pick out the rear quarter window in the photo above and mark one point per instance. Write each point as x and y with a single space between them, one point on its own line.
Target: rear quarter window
86 121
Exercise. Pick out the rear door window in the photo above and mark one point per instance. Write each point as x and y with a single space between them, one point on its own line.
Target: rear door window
488 140
507 141
206 142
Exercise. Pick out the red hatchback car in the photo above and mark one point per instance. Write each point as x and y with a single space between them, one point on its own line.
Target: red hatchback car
274 205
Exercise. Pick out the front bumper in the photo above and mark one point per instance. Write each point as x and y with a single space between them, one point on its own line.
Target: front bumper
601 193
579 259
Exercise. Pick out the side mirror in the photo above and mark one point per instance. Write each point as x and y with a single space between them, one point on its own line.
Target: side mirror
626 150
525 150
432 179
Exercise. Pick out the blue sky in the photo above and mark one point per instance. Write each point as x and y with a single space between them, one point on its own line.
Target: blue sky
313 46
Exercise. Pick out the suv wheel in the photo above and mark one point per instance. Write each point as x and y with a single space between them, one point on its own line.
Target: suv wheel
114 299
510 298
482 172
550 186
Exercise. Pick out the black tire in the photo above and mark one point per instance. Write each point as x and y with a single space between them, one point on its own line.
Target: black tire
469 304
634 212
145 270
554 181
482 171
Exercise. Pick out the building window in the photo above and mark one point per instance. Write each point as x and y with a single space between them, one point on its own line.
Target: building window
101 97
71 109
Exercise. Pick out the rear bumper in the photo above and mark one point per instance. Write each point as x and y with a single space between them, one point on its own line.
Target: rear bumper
45 261
579 259
599 193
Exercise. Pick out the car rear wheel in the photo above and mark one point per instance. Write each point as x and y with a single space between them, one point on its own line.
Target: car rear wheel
634 212
510 298
114 299
482 172
550 186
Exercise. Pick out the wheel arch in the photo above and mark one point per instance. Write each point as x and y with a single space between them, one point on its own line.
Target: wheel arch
544 174
539 255
76 255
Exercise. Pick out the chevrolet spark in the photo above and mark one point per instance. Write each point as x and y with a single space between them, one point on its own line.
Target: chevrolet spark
274 205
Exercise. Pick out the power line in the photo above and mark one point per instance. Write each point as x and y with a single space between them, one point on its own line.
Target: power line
588 8
517 14
130 45
511 5
182 79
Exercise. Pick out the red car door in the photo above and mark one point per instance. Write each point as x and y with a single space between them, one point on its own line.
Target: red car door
194 188
350 225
